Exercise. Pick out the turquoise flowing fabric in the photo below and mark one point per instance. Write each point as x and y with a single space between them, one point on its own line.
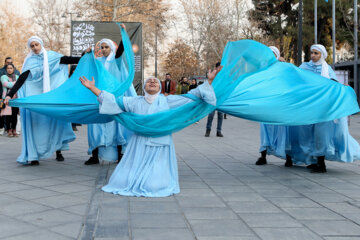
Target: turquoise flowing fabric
252 85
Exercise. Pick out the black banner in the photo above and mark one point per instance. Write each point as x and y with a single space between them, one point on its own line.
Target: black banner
85 34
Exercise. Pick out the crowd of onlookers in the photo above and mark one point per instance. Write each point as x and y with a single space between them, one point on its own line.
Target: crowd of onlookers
8 115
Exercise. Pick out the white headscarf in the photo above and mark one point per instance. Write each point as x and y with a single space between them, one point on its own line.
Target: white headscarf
150 98
324 54
46 72
275 51
112 53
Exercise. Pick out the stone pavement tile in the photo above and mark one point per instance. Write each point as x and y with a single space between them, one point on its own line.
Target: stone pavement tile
79 178
349 193
327 197
333 228
195 201
44 182
269 220
151 220
27 176
343 207
254 207
162 234
232 189
144 199
229 238
12 187
112 229
89 183
209 213
68 188
286 234
10 227
223 182
71 230
110 238
192 184
220 228
33 193
236 196
61 201
154 207
201 192
342 238
7 199
293 202
355 217
21 208
51 218
313 214
278 193
114 213
41 235
79 209
86 195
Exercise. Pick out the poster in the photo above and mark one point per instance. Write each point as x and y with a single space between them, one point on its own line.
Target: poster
85 34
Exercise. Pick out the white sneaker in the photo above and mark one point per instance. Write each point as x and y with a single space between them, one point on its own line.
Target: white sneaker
1 131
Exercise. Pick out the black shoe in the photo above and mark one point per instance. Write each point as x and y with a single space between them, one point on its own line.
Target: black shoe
311 166
207 134
92 161
261 161
34 163
319 169
288 162
59 157
74 128
219 134
119 158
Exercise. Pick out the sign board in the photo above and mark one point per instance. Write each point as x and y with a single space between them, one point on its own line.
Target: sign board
85 34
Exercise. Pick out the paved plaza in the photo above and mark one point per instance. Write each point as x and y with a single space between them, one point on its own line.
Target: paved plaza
224 195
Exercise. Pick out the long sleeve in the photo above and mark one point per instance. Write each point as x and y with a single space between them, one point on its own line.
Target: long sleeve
19 83
108 104
120 50
5 82
69 60
204 91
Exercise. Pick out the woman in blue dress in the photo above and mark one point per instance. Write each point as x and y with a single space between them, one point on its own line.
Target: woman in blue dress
148 167
43 71
273 138
106 139
312 144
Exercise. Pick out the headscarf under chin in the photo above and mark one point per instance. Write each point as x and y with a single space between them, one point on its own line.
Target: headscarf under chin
11 76
112 53
324 67
46 71
150 98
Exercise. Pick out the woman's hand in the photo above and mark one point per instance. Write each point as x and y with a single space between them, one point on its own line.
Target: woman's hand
87 83
6 101
212 74
90 85
123 26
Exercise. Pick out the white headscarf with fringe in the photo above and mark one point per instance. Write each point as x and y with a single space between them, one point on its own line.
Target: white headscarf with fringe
46 71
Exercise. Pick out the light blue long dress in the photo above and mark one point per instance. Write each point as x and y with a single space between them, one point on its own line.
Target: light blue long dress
107 136
148 167
273 139
42 135
330 139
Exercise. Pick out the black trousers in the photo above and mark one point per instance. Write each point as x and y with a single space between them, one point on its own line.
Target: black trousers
11 120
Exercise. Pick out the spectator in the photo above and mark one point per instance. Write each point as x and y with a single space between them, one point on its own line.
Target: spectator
168 87
10 113
193 84
183 86
211 115
8 61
